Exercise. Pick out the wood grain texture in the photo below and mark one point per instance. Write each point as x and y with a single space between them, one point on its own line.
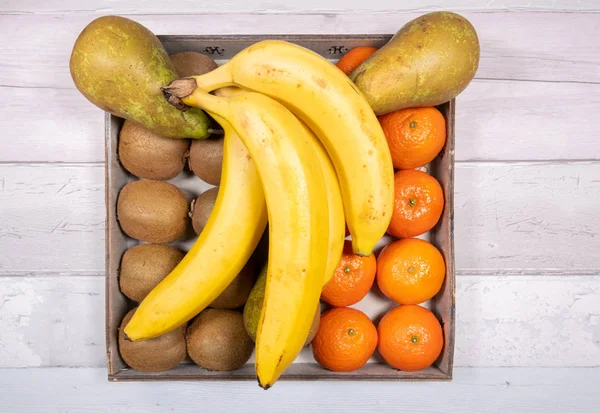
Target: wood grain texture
518 46
483 390
501 321
50 125
51 321
513 321
282 6
510 218
535 98
53 217
496 120
525 216
511 120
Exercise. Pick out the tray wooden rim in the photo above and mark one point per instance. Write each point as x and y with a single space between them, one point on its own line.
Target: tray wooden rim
118 374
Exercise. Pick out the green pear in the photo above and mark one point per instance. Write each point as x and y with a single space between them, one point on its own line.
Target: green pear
427 62
254 305
121 66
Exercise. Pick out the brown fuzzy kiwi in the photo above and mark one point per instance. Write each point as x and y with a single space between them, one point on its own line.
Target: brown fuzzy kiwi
148 155
152 211
206 155
202 207
206 159
156 354
236 293
217 340
144 266
192 63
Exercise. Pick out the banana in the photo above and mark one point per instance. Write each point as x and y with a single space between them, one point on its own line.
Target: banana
336 221
295 190
232 233
333 107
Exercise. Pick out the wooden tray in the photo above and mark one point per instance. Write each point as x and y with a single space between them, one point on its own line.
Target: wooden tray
374 305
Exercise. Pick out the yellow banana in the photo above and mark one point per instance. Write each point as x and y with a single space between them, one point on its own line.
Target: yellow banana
233 230
295 191
333 107
336 222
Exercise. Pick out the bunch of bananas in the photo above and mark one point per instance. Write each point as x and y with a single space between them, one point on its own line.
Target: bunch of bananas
304 151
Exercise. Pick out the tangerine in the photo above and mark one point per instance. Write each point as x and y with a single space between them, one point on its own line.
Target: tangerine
345 340
415 135
352 280
418 203
410 338
354 58
410 271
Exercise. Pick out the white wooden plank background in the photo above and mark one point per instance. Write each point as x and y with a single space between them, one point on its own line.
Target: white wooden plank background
496 120
518 46
481 390
526 217
527 196
501 321
282 6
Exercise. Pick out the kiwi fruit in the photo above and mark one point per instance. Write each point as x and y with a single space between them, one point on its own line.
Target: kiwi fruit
254 304
206 159
217 340
206 155
192 63
152 211
202 206
155 354
144 266
236 294
148 155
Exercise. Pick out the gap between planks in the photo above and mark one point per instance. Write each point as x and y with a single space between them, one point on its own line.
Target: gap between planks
499 79
513 272
311 12
483 78
466 163
487 79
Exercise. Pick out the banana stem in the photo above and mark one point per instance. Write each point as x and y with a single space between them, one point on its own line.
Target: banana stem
215 105
215 79
183 93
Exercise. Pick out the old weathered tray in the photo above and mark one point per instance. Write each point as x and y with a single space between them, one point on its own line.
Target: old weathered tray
374 305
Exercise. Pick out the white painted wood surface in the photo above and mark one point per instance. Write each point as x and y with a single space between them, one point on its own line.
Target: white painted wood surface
527 202
283 6
496 120
520 116
517 46
514 218
480 390
531 321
